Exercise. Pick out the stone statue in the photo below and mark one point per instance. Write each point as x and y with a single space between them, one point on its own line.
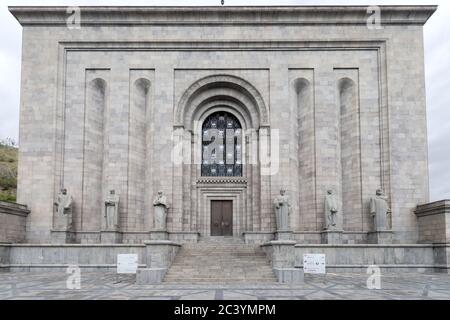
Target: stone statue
111 211
380 211
282 207
160 213
331 210
64 204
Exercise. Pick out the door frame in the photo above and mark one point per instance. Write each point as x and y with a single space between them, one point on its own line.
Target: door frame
230 205
234 208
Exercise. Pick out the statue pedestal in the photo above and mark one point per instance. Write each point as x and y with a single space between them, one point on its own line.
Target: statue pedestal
62 236
283 235
158 234
380 237
331 236
107 236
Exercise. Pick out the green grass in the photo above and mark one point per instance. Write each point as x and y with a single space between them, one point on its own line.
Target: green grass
8 172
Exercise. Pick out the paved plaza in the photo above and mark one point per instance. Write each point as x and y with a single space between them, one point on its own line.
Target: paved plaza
98 286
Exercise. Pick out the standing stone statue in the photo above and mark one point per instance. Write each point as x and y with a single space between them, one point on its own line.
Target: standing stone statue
111 211
282 207
160 213
331 210
379 210
63 204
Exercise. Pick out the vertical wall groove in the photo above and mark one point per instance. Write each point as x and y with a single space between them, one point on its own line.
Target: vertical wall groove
305 123
138 139
302 159
350 154
94 147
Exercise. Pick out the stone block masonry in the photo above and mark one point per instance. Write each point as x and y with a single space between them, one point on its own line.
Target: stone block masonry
13 218
133 86
433 220
130 102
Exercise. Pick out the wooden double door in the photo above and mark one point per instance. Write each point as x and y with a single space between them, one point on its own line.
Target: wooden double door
221 218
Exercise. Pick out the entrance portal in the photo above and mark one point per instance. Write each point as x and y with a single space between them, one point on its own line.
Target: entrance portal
221 218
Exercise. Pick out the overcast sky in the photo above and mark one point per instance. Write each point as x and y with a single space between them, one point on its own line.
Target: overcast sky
437 64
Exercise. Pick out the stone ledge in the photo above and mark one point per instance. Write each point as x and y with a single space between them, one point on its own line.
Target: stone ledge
437 207
391 266
279 242
76 245
243 15
61 265
364 246
14 209
160 242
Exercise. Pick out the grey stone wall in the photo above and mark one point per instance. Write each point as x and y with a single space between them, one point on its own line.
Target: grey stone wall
433 221
389 258
56 131
44 257
13 222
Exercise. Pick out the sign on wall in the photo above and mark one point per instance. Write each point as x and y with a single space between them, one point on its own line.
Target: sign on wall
127 263
314 263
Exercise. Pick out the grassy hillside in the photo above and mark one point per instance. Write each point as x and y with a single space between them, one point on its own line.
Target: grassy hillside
8 172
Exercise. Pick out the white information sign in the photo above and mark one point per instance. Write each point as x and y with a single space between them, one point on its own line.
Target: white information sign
314 263
127 263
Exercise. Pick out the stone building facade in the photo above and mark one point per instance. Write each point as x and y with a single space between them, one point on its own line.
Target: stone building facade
318 98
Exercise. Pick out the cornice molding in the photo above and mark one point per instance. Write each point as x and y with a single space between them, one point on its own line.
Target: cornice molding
245 15
437 207
14 209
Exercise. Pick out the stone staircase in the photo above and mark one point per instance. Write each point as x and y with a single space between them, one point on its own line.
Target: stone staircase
220 260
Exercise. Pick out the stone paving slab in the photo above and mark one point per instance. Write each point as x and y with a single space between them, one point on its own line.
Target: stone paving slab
100 286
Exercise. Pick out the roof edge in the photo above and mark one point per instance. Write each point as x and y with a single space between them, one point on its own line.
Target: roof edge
272 15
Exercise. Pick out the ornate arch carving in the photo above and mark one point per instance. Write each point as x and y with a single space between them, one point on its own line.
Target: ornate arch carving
221 87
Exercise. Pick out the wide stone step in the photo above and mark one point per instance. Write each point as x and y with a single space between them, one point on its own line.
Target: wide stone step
218 269
221 273
195 266
217 276
215 251
220 280
220 261
219 252
221 255
213 276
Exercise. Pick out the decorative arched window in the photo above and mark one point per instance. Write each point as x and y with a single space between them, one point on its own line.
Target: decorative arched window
222 146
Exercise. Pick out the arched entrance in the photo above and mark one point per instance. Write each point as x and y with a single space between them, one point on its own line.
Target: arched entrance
221 111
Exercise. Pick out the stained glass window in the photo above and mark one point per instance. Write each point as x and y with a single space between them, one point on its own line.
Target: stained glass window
221 146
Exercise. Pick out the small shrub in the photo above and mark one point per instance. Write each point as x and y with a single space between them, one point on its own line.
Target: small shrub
8 196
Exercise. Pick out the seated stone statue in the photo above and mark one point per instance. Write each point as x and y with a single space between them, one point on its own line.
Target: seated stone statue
63 204
111 216
331 210
380 211
282 207
161 206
